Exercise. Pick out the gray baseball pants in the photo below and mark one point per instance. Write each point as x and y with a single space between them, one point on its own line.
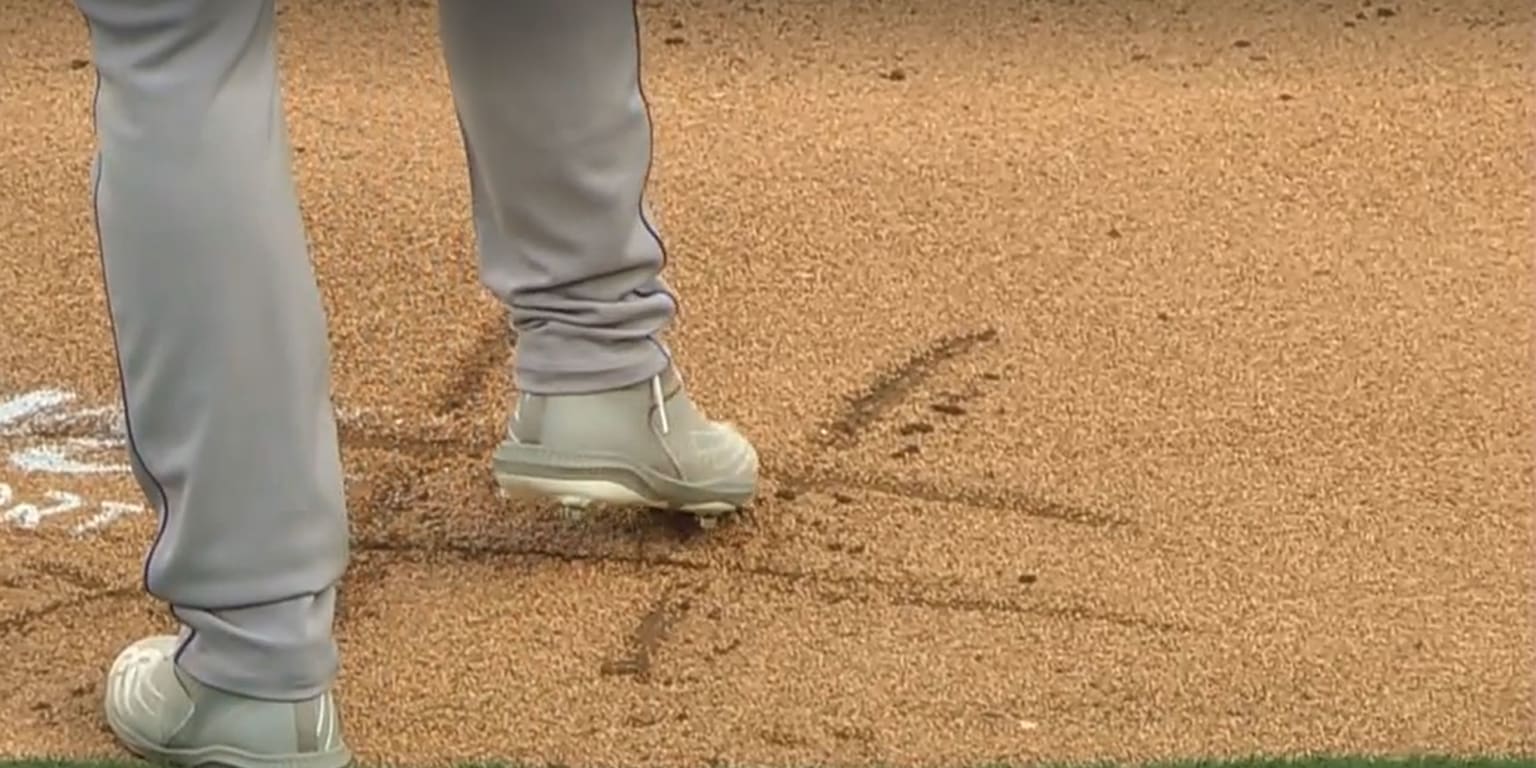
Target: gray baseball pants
220 333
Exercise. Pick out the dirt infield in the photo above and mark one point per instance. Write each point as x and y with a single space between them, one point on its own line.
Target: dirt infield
1133 380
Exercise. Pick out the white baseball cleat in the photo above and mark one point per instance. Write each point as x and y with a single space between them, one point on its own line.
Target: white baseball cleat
645 445
162 715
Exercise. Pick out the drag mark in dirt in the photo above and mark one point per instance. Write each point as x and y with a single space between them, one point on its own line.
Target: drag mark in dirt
69 574
466 387
890 388
834 482
648 637
829 588
20 622
73 584
433 438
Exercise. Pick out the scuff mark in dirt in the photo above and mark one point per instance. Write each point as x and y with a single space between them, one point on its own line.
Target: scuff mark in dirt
20 623
466 387
829 588
647 639
833 481
890 388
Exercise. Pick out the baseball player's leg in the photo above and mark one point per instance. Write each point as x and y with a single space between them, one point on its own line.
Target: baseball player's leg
221 340
559 147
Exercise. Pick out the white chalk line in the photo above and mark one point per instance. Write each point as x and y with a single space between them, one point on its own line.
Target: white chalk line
65 441
37 414
28 516
22 407
108 513
73 435
63 459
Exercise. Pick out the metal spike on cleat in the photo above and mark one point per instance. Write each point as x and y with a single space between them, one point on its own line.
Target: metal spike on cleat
573 509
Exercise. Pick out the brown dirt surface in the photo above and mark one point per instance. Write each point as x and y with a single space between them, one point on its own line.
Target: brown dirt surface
1133 379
